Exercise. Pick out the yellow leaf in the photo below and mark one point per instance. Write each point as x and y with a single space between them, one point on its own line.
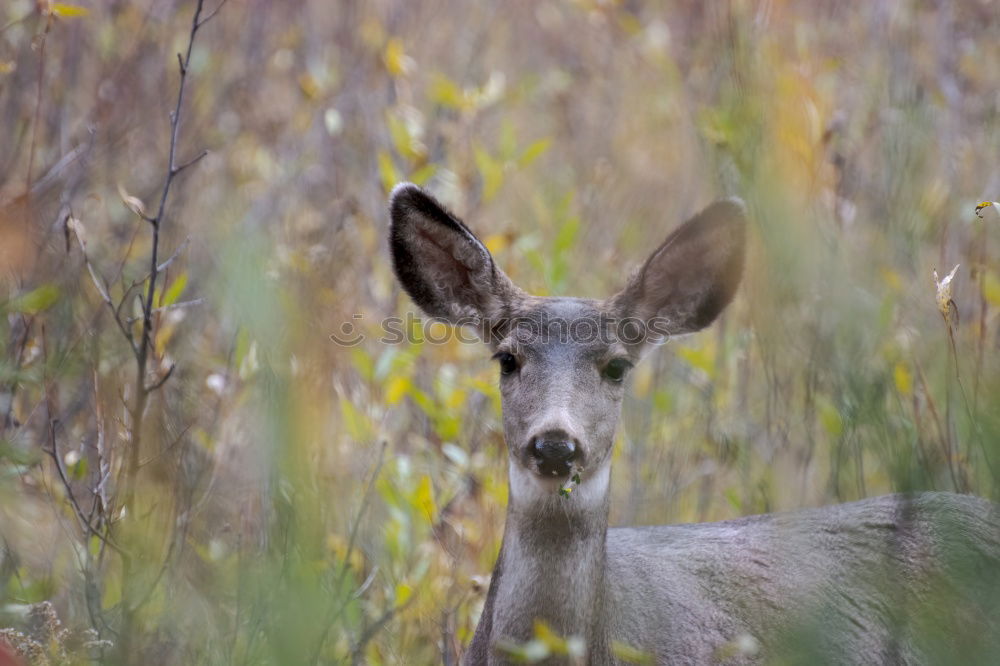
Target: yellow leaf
7 66
403 593
387 171
903 378
534 151
496 243
69 11
424 499
492 172
395 58
545 634
398 387
700 358
446 92
400 135
629 654
455 399
337 545
423 174
892 279
310 86
991 289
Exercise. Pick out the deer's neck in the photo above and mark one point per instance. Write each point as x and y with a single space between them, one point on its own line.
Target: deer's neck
551 567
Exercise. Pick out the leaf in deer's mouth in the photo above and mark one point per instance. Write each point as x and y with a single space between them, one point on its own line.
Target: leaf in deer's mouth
574 480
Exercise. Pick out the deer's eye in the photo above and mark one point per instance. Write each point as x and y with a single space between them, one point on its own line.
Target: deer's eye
615 370
508 363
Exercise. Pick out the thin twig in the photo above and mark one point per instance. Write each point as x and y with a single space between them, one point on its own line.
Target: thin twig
26 323
973 421
85 524
38 107
180 248
943 433
162 380
369 633
211 14
191 161
102 289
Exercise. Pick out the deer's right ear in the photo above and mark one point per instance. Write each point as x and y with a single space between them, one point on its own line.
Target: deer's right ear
444 268
693 276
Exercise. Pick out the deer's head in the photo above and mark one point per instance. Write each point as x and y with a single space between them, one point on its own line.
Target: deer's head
563 361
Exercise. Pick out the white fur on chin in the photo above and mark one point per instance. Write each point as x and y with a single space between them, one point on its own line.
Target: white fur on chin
528 487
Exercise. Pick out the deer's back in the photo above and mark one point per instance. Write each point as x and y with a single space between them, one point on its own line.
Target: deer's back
893 579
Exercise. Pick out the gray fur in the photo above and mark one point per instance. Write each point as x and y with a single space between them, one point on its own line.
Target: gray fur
890 580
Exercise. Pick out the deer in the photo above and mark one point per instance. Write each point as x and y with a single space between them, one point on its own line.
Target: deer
907 578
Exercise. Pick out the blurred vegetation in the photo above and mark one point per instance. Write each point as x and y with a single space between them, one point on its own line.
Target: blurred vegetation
298 501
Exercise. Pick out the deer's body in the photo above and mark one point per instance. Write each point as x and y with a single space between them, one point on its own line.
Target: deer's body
725 592
888 580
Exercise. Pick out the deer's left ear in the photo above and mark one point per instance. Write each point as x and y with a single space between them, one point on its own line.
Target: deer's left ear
693 276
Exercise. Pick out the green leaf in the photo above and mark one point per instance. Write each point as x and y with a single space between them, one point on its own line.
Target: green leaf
363 363
507 145
35 301
567 234
174 290
78 470
357 423
830 417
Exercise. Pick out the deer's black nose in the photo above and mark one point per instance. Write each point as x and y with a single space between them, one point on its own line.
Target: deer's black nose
554 451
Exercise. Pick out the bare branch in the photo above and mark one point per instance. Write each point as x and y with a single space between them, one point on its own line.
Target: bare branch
180 248
357 652
172 306
162 380
131 600
102 289
85 524
191 161
211 14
